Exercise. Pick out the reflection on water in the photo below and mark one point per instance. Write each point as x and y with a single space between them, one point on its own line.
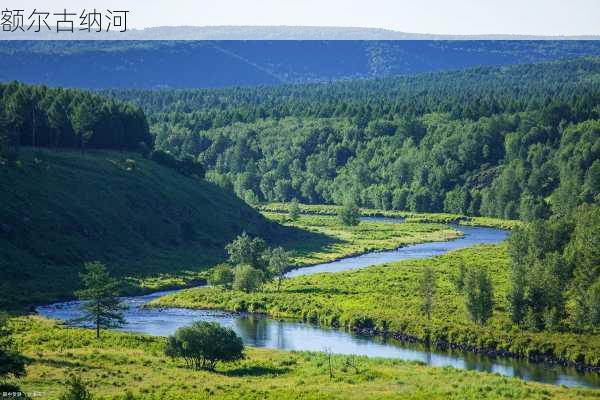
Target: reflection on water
287 335
265 332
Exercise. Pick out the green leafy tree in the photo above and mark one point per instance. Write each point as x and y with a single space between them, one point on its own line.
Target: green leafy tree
545 293
518 251
222 275
247 250
349 214
479 295
593 300
247 279
294 210
203 344
76 390
427 289
583 251
456 201
279 261
102 306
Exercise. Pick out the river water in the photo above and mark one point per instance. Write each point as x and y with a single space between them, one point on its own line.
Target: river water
287 335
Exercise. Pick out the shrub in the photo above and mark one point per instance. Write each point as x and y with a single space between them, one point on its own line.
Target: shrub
349 214
76 390
222 275
247 279
203 344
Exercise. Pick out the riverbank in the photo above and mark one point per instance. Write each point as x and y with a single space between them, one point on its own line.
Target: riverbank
334 241
384 299
313 239
440 218
124 362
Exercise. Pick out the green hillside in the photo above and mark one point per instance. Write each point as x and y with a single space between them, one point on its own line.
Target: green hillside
513 142
150 224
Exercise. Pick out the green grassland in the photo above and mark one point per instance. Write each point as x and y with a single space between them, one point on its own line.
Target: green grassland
385 298
123 362
152 226
322 209
333 241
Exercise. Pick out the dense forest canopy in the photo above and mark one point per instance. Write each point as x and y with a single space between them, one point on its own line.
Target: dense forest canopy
39 116
515 142
555 272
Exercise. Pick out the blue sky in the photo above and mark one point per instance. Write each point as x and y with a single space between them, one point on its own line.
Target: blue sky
539 17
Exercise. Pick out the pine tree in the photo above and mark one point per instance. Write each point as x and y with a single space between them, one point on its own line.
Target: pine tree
103 308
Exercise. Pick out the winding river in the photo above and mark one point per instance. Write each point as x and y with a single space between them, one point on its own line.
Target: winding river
287 335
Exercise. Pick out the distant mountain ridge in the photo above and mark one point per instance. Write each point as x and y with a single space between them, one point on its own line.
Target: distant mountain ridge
282 32
212 63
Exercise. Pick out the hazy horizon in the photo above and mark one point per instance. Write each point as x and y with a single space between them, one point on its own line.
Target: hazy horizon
435 17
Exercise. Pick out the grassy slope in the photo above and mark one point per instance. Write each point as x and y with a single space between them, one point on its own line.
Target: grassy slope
121 362
65 209
385 298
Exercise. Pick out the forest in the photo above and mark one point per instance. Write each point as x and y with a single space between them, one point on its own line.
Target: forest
39 116
334 172
511 141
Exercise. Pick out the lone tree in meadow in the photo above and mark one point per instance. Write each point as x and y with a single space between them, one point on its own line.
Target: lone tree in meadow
294 210
480 295
427 288
203 344
279 261
349 214
100 293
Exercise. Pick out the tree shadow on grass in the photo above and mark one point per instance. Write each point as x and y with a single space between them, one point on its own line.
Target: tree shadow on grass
255 370
304 241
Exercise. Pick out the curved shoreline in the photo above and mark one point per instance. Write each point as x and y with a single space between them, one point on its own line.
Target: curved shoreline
537 358
460 235
533 356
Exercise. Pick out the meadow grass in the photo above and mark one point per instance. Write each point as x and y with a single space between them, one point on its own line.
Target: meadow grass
386 298
124 362
445 218
333 240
